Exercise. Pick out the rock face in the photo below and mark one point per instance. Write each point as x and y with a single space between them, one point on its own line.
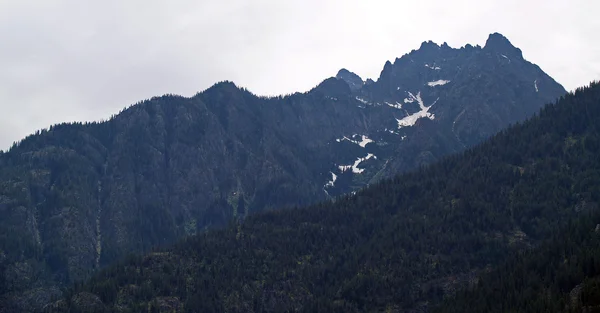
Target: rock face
76 197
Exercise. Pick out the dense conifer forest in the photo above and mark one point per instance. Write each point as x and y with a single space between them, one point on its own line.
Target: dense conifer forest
562 275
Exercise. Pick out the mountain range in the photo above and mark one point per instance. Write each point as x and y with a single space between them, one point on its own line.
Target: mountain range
511 225
79 196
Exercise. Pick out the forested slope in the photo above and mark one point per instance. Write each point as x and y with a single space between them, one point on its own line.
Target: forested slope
563 275
399 245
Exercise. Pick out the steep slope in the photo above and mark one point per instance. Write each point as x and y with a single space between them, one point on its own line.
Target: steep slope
78 196
400 245
445 99
429 103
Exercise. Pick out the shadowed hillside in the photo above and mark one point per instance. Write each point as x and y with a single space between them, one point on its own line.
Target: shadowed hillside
401 245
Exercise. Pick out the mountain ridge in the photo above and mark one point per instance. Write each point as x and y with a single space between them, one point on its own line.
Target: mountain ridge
77 197
401 245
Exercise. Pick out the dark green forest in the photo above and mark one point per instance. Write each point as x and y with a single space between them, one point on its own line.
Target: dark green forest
562 275
518 210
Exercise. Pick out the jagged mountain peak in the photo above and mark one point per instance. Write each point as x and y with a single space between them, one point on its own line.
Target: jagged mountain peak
353 80
495 41
429 45
387 68
498 38
344 72
499 43
435 65
470 47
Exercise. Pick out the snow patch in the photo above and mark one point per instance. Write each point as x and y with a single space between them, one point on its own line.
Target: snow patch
363 142
354 166
535 85
332 181
433 67
344 168
440 82
391 131
411 119
366 102
502 55
396 105
362 100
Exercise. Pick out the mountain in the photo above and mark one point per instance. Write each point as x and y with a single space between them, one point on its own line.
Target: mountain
401 245
76 197
435 101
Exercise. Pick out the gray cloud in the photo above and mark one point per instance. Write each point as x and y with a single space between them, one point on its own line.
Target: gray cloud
68 60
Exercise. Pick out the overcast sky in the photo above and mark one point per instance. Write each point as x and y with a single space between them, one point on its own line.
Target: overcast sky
74 60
